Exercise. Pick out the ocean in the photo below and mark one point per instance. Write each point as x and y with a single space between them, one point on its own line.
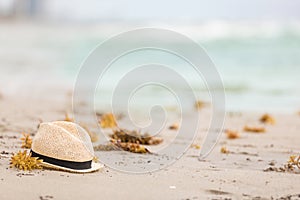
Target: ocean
259 62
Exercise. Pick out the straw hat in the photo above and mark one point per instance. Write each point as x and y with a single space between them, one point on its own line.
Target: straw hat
64 146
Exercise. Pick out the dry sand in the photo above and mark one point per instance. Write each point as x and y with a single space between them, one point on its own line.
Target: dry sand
237 175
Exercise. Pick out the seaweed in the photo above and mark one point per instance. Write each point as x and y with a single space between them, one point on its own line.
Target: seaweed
24 161
174 126
232 134
132 141
26 141
291 166
131 147
106 147
136 137
115 145
293 163
199 104
196 146
254 129
108 121
267 119
96 159
68 118
224 150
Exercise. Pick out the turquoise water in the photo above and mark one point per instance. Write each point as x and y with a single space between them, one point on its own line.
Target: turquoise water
260 68
260 72
259 63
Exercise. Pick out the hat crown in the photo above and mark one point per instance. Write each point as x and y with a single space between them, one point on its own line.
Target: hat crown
64 141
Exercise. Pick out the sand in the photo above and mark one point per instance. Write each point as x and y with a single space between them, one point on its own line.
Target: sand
237 175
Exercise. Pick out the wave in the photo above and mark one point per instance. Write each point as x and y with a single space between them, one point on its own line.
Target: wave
213 30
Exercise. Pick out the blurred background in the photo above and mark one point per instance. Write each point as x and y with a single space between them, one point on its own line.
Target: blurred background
255 44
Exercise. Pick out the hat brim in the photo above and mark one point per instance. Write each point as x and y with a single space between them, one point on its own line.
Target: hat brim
94 167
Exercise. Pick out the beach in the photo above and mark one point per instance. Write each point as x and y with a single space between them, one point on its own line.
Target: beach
237 175
38 70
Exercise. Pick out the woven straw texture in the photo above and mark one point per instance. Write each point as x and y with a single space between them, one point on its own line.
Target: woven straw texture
63 140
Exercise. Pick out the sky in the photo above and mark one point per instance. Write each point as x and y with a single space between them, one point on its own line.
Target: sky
164 10
196 10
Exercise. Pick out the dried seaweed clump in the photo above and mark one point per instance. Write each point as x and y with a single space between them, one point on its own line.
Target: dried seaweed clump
133 141
25 162
195 146
267 119
232 134
199 104
291 166
108 121
131 147
275 169
174 126
26 141
68 118
106 147
96 159
254 129
224 150
293 163
115 145
135 137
